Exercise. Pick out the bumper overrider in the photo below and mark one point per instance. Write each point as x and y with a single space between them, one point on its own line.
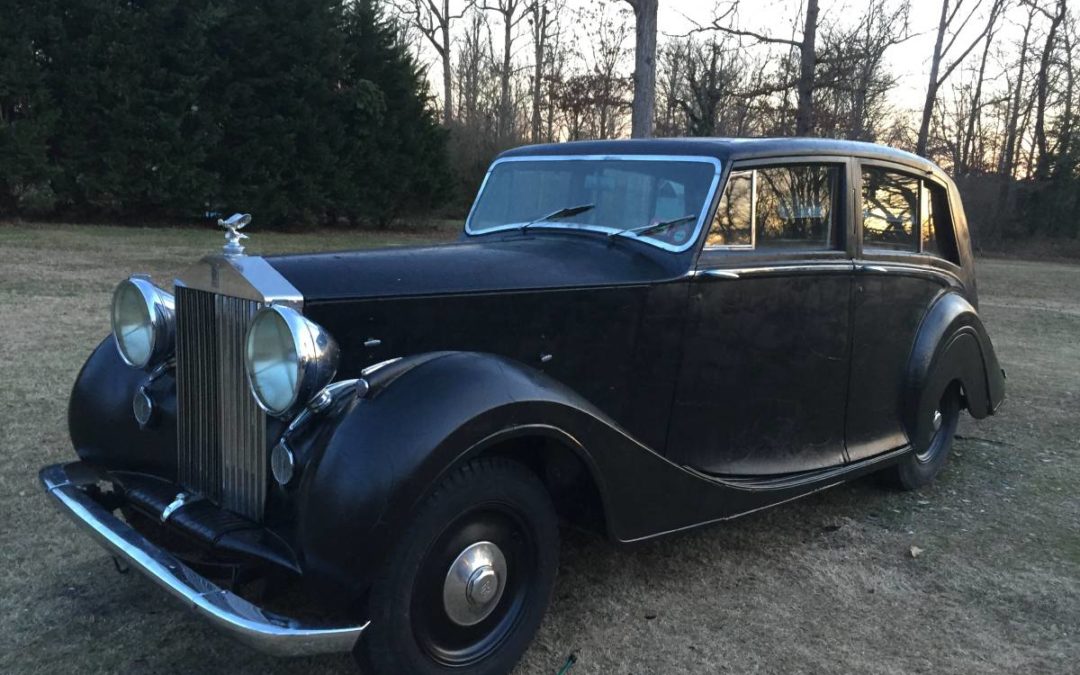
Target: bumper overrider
253 625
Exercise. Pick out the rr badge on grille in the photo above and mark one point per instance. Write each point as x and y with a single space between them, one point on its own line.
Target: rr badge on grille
233 224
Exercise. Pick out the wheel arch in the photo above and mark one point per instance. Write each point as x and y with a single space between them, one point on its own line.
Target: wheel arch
562 464
951 345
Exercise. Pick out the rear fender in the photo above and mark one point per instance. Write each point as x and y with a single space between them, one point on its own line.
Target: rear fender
952 346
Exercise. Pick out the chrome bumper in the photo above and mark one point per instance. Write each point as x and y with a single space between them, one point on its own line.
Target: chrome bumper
247 622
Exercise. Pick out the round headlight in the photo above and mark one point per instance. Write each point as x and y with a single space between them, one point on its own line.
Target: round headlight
289 359
143 322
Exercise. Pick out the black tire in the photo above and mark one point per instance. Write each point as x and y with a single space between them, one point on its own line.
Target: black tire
487 500
921 467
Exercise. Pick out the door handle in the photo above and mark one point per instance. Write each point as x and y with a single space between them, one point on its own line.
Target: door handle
875 268
718 274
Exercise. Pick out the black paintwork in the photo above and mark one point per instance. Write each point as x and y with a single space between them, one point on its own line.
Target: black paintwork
764 372
612 367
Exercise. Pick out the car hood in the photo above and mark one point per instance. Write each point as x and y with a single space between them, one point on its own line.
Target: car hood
541 261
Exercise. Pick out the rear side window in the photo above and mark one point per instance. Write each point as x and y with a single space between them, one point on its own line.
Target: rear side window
938 235
789 206
905 213
890 209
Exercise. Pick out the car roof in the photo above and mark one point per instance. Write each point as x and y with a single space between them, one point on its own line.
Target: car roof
727 149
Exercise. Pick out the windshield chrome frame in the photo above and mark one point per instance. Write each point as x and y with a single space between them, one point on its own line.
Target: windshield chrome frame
703 216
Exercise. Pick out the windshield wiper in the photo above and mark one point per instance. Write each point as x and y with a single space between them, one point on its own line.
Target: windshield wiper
645 229
557 215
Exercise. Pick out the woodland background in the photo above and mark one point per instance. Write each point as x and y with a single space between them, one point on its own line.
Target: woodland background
312 113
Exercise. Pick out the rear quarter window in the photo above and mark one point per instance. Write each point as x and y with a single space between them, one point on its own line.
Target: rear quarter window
906 213
937 231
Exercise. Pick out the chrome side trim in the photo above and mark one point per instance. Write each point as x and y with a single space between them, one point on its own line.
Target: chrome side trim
706 209
718 274
376 367
910 269
772 270
245 621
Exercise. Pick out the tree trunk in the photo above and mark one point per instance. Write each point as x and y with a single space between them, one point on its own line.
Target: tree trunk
644 105
1042 160
540 13
932 85
976 102
504 80
1066 164
447 75
1008 153
804 111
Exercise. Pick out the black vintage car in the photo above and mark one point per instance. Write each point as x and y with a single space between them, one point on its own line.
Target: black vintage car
636 337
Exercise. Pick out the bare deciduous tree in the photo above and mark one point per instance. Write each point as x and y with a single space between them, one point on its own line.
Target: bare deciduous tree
852 85
433 19
948 24
511 12
806 46
1042 160
964 159
544 20
643 108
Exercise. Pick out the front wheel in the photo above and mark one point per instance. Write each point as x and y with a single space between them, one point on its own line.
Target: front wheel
921 466
466 587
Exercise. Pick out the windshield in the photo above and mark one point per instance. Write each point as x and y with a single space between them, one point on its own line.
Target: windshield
624 194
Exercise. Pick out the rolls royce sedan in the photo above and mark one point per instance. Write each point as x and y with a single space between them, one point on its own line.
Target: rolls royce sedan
373 451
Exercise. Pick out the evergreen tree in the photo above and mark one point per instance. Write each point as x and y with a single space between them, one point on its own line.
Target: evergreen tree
134 128
402 166
27 113
275 100
299 111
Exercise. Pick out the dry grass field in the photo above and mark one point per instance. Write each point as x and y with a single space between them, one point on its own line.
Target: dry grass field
826 584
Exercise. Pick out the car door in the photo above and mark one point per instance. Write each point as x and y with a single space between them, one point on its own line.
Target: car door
763 382
907 256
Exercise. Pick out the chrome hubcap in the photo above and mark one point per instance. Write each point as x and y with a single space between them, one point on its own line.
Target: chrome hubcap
937 421
474 583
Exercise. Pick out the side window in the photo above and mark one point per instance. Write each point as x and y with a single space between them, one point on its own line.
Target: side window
938 236
796 206
890 208
791 206
731 225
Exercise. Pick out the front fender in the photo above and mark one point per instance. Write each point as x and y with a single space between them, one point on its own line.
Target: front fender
390 448
102 424
952 345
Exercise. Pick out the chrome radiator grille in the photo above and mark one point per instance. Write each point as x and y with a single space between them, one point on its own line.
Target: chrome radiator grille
221 431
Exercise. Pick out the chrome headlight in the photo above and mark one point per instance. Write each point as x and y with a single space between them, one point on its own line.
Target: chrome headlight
143 322
289 359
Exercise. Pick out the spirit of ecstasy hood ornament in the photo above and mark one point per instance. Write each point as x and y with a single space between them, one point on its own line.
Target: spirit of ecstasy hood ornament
233 224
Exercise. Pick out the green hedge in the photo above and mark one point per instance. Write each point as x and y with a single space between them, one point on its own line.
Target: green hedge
298 111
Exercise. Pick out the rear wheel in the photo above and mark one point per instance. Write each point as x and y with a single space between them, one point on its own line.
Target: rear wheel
920 467
468 584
